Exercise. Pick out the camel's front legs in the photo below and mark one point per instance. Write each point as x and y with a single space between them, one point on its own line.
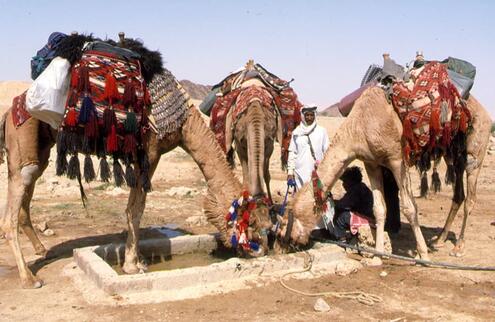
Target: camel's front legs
25 221
439 241
379 208
10 225
408 205
134 211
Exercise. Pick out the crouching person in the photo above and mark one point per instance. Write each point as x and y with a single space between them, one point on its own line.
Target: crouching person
355 208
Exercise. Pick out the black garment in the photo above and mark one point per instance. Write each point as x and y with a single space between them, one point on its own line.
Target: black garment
358 198
342 225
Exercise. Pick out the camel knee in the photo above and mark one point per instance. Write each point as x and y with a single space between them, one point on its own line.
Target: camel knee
29 174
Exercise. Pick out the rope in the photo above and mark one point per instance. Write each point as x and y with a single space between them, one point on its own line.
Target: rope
407 258
361 297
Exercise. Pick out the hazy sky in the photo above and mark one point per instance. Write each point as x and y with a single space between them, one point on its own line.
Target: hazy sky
326 46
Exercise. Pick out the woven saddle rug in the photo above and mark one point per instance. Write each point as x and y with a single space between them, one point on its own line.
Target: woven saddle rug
107 115
286 102
169 103
432 111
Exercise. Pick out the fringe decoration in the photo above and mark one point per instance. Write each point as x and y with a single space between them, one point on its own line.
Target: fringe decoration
131 123
71 117
73 141
435 121
91 127
450 174
424 185
112 141
129 98
83 82
130 176
446 135
130 144
61 167
89 170
407 152
407 131
118 173
111 91
109 120
86 148
87 109
318 193
104 170
436 184
74 168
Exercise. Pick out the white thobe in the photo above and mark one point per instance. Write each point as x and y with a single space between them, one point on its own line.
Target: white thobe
300 162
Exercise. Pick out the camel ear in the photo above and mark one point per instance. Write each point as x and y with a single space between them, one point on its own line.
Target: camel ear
229 135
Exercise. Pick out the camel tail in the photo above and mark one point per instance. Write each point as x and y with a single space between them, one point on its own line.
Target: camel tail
2 137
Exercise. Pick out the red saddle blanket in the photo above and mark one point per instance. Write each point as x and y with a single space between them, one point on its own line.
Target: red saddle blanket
19 113
431 110
238 99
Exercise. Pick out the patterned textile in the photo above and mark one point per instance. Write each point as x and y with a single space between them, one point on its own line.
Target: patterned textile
99 65
285 101
431 110
107 115
169 103
19 113
357 220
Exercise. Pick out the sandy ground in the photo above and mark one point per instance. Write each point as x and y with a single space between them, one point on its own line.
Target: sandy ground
409 292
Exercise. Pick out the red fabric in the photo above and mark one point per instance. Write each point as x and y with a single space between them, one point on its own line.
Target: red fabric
420 110
286 101
19 113
358 220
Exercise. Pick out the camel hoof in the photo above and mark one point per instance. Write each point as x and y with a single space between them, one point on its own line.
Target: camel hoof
437 244
130 268
32 283
456 252
374 261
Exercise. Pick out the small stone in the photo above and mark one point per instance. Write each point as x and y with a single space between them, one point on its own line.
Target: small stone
383 274
492 148
48 233
491 152
321 305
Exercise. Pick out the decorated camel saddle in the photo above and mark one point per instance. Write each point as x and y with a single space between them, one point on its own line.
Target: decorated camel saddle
116 93
234 94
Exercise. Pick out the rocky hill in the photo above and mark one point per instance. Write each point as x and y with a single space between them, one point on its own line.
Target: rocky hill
332 111
196 91
10 89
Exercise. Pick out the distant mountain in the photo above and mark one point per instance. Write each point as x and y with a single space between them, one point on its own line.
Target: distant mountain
332 111
196 91
10 89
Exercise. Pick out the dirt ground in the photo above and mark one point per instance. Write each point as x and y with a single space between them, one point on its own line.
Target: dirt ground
408 292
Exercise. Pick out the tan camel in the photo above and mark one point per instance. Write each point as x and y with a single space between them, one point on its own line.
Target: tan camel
194 137
372 133
254 133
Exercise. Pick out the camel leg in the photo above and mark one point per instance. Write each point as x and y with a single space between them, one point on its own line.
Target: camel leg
379 208
408 205
135 208
472 182
266 174
439 241
25 222
17 192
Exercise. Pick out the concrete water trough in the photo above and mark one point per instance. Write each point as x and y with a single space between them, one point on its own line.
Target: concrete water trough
192 282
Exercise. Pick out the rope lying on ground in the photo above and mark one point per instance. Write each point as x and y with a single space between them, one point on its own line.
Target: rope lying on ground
362 297
409 259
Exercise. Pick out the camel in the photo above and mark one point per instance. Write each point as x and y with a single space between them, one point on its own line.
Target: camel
194 137
254 134
254 131
372 133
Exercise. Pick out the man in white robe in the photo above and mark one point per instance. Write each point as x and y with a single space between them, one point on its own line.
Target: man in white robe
302 160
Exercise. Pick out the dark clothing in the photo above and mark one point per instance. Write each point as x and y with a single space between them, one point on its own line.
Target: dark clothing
358 198
342 225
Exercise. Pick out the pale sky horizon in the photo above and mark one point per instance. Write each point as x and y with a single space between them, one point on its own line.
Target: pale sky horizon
326 46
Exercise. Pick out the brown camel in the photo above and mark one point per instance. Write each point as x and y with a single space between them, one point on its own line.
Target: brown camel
254 133
372 133
194 137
